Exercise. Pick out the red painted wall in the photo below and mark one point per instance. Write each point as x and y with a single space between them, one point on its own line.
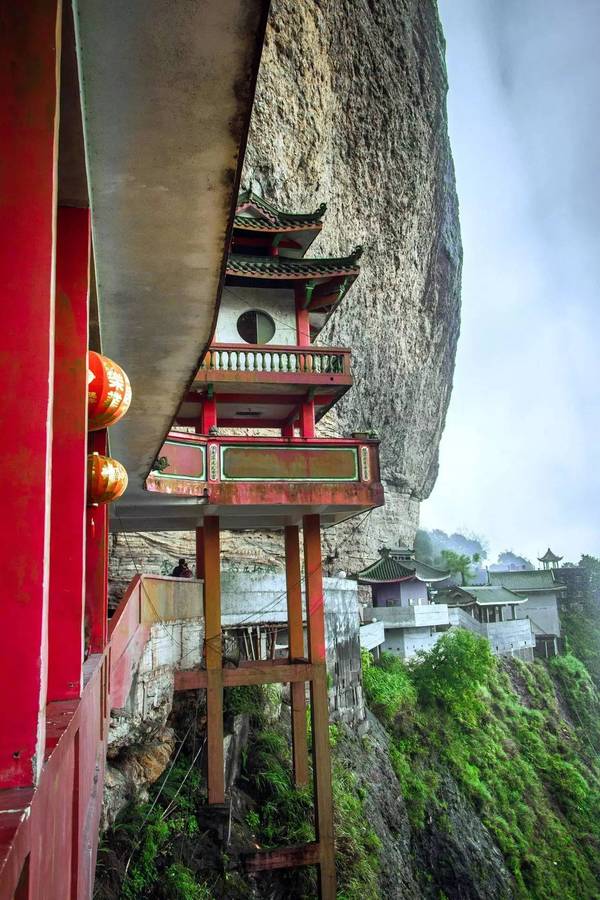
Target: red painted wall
69 455
28 128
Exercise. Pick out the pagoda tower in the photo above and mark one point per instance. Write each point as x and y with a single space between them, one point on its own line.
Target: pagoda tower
550 560
263 371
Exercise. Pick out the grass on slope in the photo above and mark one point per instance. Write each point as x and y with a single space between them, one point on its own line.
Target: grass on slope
533 779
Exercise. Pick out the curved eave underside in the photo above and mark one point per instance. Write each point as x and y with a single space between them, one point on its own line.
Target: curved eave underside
167 95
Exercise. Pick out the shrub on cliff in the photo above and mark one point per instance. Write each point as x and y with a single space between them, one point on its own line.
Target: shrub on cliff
452 673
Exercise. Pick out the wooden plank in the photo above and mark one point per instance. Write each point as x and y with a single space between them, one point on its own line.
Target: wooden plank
257 673
296 650
282 858
319 708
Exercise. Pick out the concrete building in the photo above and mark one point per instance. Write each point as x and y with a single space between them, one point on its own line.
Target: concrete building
490 612
400 601
542 592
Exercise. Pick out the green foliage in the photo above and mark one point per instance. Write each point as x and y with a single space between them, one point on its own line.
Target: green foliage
533 779
580 693
180 884
284 815
451 675
388 687
458 564
357 845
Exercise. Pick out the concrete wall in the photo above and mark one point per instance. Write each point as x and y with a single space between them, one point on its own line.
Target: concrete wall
406 642
407 593
247 598
542 609
372 635
254 597
279 304
431 615
510 638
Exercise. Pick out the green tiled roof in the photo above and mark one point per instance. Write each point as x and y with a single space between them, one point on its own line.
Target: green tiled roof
286 267
483 596
385 569
253 223
389 568
276 216
526 581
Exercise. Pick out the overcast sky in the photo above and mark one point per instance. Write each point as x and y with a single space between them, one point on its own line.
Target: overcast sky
520 457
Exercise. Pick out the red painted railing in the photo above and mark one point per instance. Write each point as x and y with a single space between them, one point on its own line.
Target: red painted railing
49 835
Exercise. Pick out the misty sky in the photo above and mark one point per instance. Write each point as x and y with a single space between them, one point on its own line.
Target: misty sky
520 457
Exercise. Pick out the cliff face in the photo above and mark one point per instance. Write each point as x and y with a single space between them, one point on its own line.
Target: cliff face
350 110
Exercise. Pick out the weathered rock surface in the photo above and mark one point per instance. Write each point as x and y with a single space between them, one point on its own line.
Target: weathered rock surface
350 110
130 773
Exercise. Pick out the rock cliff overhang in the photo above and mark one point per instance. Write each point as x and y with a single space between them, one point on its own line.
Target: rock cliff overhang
167 93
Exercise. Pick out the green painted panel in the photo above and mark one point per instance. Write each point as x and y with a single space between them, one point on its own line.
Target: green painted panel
289 464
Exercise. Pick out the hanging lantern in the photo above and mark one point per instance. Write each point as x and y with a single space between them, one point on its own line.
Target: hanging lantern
107 479
109 392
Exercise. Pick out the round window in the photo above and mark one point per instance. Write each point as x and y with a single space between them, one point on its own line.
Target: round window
255 327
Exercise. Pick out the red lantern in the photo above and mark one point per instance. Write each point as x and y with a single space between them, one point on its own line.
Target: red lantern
107 479
109 392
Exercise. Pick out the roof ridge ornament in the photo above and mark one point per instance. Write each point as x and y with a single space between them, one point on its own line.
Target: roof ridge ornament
356 253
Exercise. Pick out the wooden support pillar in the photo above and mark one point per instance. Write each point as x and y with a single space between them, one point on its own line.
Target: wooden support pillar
96 563
296 652
302 317
199 553
307 419
214 660
29 53
287 430
209 412
69 455
319 708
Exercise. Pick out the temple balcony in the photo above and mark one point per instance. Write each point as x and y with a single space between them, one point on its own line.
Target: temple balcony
264 385
258 482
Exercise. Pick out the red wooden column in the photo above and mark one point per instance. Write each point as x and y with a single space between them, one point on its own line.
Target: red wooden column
208 418
302 317
307 418
96 563
69 455
29 59
319 708
296 652
214 659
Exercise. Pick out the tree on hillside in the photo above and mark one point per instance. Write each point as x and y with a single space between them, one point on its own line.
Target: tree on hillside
592 566
458 564
424 547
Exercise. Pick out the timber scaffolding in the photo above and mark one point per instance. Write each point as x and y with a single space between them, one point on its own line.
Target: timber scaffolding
297 671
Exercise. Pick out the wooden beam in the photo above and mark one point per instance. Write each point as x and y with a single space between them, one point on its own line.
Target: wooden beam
319 708
296 650
260 672
282 858
213 655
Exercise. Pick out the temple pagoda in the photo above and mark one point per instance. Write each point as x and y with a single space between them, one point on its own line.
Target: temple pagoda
397 578
262 370
550 560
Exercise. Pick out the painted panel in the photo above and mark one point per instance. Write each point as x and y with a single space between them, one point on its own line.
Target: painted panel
289 464
183 461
